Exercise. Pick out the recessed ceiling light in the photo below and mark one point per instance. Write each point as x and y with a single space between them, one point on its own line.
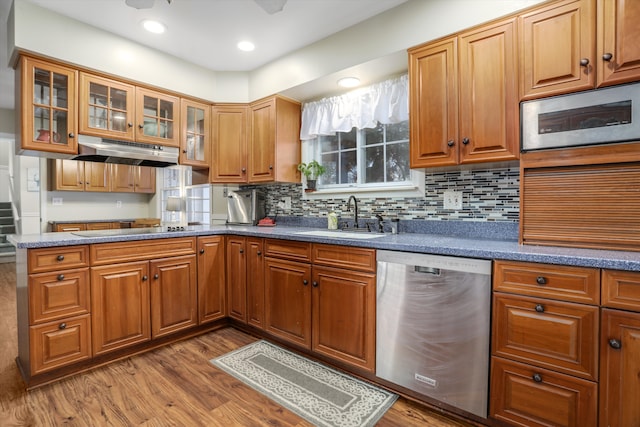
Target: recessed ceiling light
349 82
246 46
154 26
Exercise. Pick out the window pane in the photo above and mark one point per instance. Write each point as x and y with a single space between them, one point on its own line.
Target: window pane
330 162
398 131
328 143
398 169
374 136
374 170
347 139
348 167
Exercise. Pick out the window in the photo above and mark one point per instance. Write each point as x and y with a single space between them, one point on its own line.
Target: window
196 207
366 157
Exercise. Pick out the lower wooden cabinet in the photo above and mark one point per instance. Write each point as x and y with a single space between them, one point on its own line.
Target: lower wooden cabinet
59 343
121 306
212 303
237 278
255 282
174 299
526 396
620 368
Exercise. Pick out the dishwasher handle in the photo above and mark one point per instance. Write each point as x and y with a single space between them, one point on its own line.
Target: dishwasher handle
427 270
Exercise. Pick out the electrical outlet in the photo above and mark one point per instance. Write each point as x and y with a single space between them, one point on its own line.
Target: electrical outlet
118 204
56 201
453 200
286 203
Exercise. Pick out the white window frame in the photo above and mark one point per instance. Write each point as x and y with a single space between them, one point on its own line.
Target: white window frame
415 187
182 189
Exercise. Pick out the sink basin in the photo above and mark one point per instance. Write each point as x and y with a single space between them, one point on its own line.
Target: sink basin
340 234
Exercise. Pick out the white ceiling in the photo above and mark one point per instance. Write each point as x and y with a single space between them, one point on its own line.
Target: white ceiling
205 32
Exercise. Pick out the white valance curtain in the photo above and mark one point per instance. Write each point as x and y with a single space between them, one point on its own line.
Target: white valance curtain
385 102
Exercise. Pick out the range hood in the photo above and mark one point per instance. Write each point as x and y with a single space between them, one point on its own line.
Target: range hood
96 149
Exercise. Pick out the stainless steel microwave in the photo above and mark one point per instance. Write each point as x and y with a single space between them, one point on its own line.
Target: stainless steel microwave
598 116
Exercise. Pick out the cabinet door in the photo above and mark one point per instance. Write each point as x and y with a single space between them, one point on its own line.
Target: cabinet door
522 395
344 310
174 299
157 117
195 134
97 177
618 48
620 365
66 175
288 300
433 96
106 108
211 279
255 282
47 105
144 179
122 178
237 278
554 43
489 105
262 141
120 306
229 144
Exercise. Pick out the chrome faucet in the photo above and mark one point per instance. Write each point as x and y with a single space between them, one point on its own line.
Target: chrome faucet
355 207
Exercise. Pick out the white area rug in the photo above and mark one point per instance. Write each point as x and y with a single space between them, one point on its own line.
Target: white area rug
317 393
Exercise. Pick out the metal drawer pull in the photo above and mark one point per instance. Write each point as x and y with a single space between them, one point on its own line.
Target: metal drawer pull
537 378
539 308
60 258
541 280
614 343
60 276
62 326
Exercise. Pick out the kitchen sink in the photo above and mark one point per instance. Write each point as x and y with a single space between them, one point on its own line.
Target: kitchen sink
341 234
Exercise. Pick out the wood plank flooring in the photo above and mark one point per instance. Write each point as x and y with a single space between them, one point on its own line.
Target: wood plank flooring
172 386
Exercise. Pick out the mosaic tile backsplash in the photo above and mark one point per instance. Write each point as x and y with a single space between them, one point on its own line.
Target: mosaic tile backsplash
488 195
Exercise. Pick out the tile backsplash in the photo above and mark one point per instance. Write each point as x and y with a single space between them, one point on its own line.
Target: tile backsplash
488 195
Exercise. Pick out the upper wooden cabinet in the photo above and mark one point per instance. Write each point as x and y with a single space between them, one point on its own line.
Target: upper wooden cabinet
195 134
463 96
575 45
46 105
71 175
106 108
133 179
157 117
274 144
229 144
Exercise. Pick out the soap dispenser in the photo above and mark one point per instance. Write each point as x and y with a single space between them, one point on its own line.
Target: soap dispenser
332 221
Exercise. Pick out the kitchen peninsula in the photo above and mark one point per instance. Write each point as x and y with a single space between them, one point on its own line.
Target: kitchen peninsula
525 278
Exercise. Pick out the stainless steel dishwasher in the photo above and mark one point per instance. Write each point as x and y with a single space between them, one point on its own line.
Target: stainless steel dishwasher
433 327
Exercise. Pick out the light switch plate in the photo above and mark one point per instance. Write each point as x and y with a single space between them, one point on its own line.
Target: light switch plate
56 201
453 200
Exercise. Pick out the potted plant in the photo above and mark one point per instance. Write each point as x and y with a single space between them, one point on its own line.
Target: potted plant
311 171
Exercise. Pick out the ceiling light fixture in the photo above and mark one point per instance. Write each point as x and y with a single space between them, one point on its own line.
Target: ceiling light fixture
271 6
154 26
246 46
349 82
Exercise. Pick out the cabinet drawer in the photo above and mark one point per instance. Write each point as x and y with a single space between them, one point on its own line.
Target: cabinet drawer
111 253
526 396
551 334
344 257
621 289
59 343
288 249
64 257
576 284
61 294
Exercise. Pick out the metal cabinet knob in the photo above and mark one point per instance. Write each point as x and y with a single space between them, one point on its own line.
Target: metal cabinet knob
62 326
141 126
584 62
201 251
72 135
539 308
155 276
315 284
614 343
537 378
270 167
60 257
465 141
259 253
241 251
60 276
607 57
305 282
144 278
244 170
184 151
450 143
130 124
541 280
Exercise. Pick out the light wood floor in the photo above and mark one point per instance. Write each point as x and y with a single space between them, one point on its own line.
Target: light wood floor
172 386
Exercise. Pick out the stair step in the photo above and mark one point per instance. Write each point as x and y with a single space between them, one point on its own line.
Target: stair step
5 205
7 229
6 220
6 213
7 257
7 247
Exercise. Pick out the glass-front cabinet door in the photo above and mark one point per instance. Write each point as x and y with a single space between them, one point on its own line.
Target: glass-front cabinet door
106 108
157 118
195 134
47 107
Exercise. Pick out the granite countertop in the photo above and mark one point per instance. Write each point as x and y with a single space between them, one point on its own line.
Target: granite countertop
431 243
